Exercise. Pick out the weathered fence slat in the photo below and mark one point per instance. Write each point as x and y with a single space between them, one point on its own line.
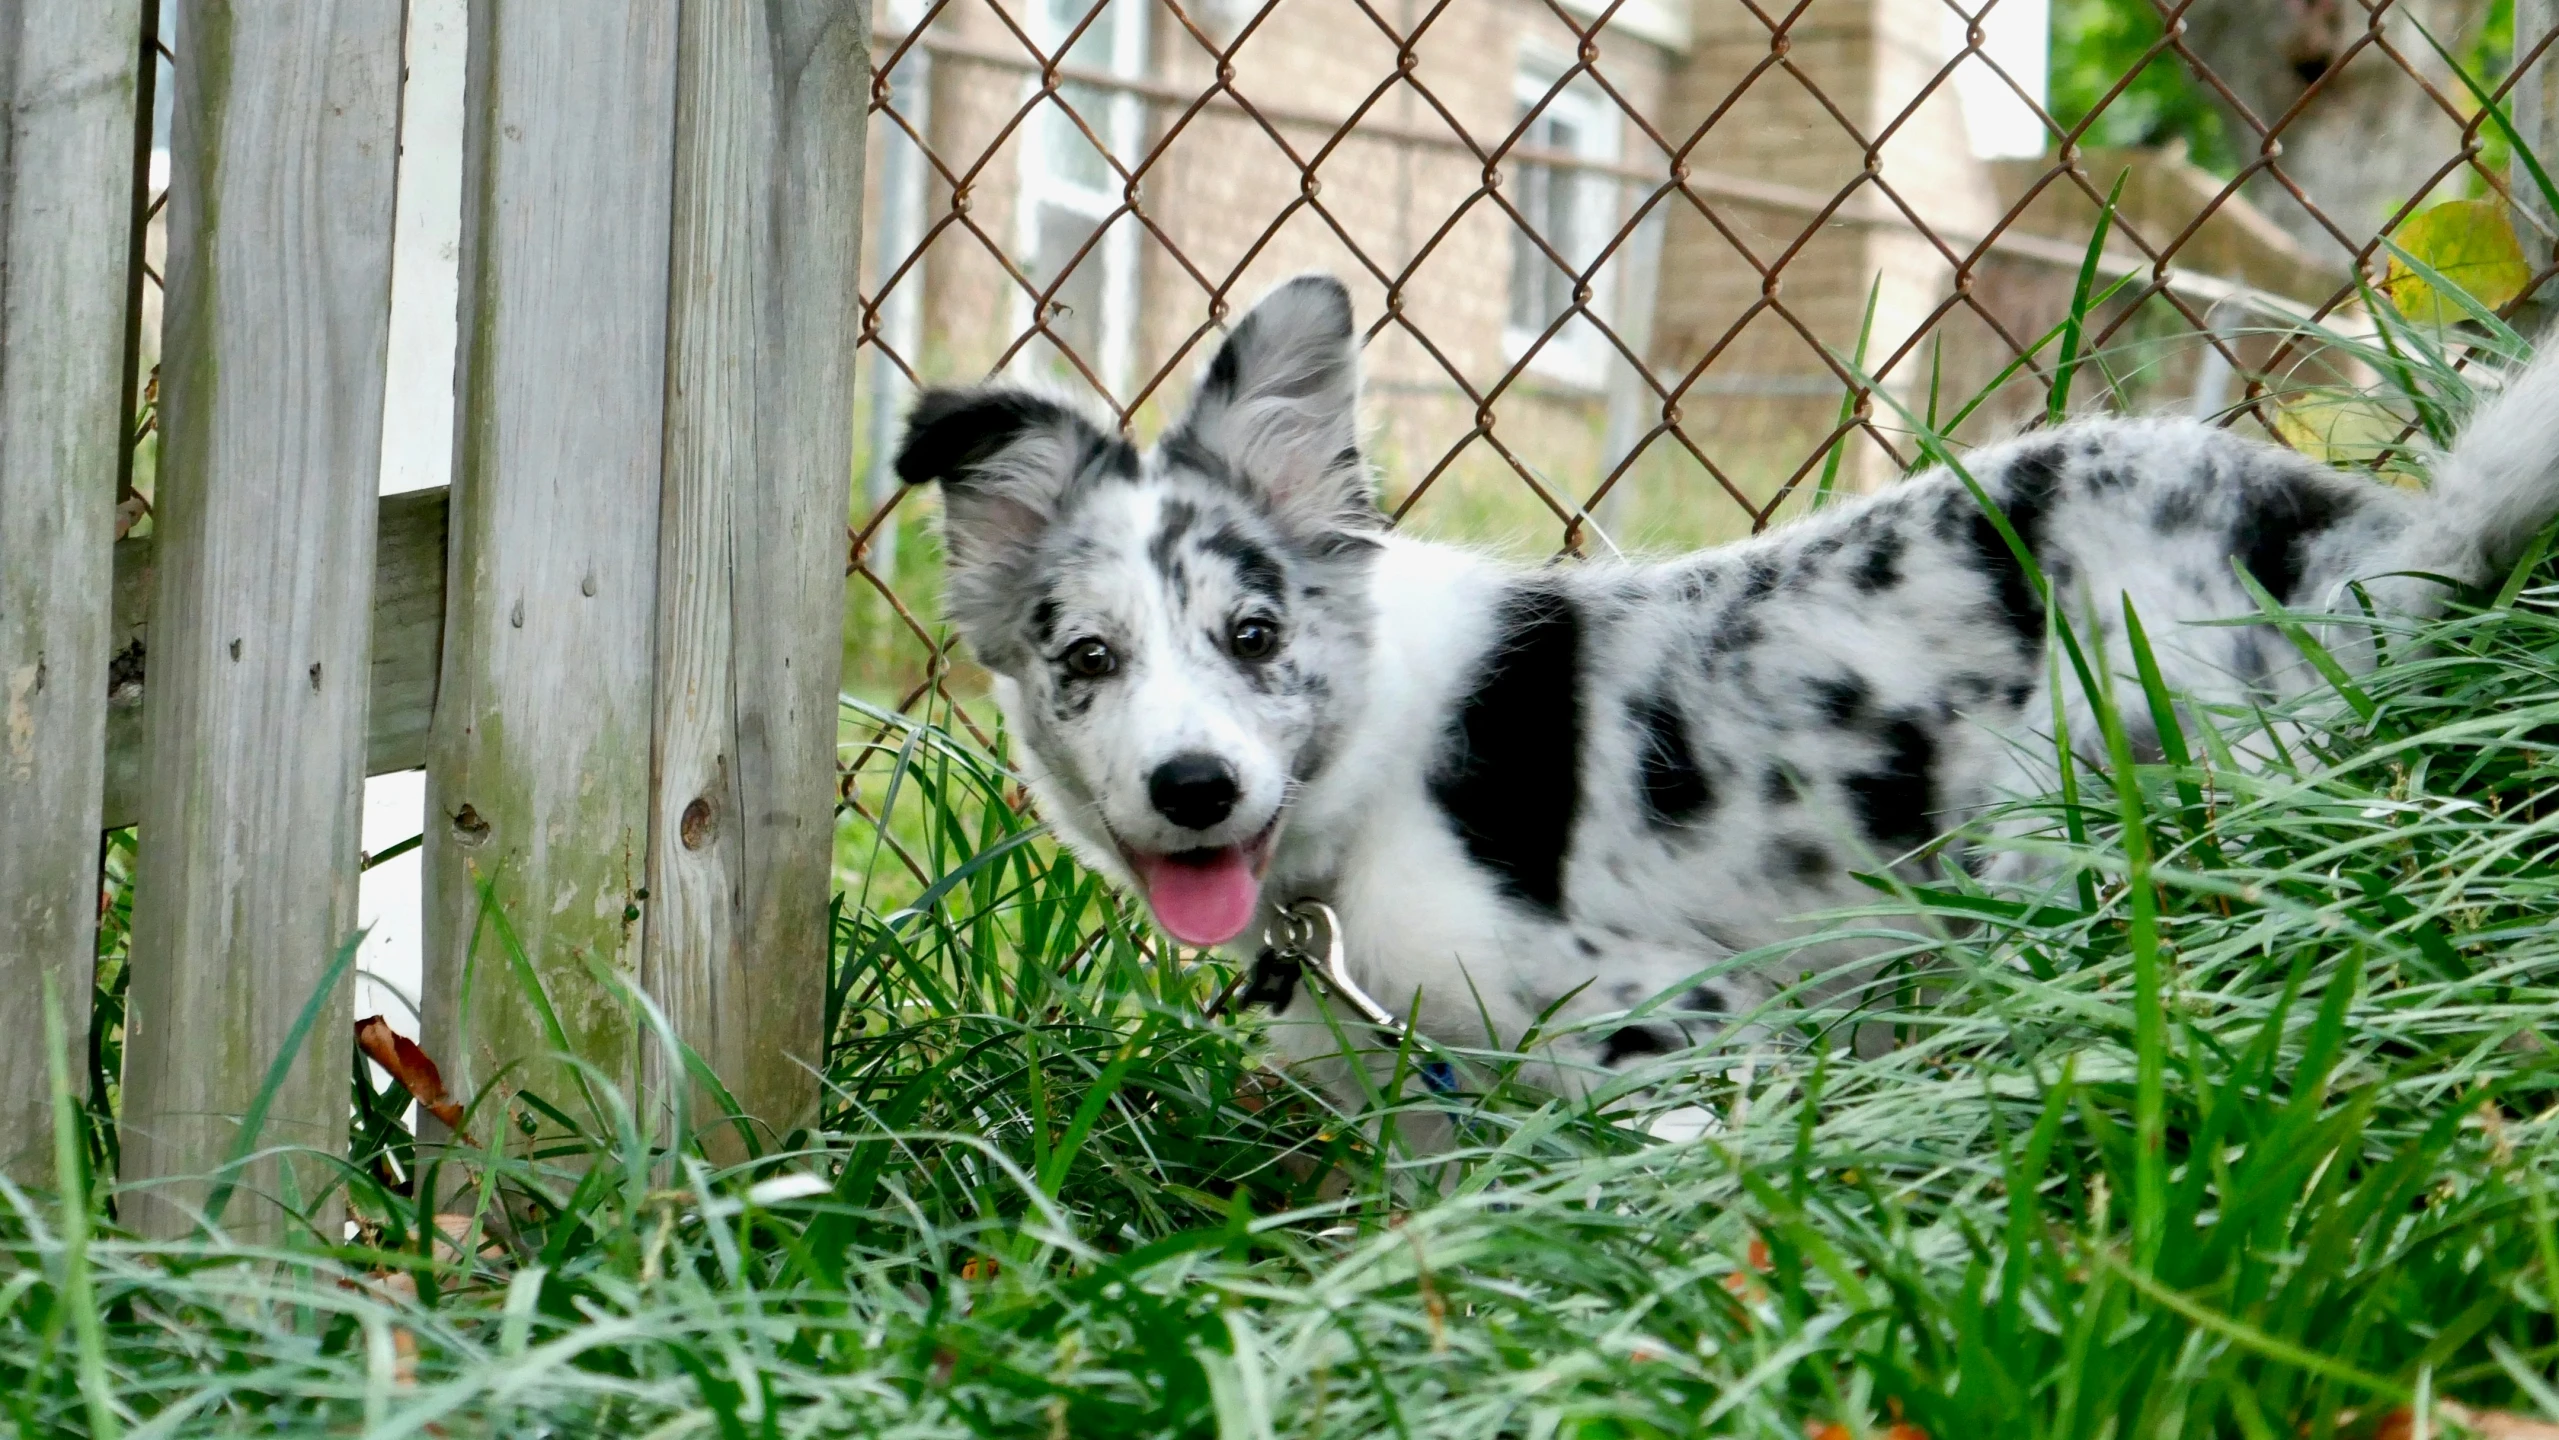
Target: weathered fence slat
283 164
771 105
67 112
408 633
538 768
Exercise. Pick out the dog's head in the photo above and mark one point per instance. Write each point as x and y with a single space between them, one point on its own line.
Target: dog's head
1172 633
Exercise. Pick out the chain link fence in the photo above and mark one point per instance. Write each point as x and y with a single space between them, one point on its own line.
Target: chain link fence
1648 273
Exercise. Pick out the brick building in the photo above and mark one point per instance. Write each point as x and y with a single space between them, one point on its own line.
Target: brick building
1482 376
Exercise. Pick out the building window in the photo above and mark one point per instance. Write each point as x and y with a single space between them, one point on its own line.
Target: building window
1070 191
1573 208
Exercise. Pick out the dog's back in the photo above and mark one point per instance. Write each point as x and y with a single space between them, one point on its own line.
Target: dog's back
1534 796
1646 768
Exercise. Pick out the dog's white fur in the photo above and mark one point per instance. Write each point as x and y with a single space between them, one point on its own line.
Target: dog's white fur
1576 789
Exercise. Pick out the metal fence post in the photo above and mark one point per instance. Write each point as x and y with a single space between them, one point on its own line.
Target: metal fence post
67 90
771 103
283 161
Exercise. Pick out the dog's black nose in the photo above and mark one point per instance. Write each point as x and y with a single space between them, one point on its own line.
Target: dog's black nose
1193 791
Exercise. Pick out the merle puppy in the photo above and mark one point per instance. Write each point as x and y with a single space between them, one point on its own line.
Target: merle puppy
1236 688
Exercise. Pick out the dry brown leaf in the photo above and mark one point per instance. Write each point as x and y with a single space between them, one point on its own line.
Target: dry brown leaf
1900 1429
410 1066
1740 1282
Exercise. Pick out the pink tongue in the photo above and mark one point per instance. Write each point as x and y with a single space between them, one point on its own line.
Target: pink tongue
1205 897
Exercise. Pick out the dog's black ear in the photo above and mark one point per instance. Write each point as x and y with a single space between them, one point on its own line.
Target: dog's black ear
1279 407
1005 457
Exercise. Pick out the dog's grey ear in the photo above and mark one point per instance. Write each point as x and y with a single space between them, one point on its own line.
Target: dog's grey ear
1005 458
1279 407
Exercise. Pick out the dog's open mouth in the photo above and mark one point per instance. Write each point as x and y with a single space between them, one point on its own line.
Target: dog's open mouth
1205 897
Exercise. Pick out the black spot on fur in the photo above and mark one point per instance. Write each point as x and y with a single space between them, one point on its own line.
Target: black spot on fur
1675 791
1894 801
2142 738
2019 692
1759 580
1842 699
1955 510
1584 944
1113 459
1336 542
1632 1041
1255 568
1509 772
1697 583
2179 507
1044 621
2281 512
1274 981
1265 679
2250 657
1703 1001
2025 494
1183 450
1225 369
1738 635
1178 517
1881 569
1800 860
1776 787
951 432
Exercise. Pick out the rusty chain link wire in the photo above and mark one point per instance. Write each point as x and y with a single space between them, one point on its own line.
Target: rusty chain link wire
1632 272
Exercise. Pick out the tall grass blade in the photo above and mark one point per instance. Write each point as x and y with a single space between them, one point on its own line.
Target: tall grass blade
2083 302
70 1171
1848 400
323 997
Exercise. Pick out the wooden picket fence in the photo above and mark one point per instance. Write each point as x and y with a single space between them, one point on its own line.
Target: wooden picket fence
614 645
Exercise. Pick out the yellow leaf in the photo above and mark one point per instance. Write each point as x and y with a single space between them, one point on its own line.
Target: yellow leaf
2472 245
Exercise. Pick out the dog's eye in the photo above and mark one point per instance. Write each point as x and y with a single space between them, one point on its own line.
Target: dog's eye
1090 659
1254 639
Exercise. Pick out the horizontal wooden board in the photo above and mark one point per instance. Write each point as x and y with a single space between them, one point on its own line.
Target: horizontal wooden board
408 639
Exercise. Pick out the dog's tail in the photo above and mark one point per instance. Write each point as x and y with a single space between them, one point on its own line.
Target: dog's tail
2497 486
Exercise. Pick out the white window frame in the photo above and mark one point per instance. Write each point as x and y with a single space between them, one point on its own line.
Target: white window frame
1579 355
900 185
1045 181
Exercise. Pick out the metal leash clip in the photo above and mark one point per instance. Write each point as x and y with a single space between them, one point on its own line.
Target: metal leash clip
1289 950
1292 939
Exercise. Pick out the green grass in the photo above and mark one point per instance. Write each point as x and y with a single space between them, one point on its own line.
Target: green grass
2240 1121
2290 1158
